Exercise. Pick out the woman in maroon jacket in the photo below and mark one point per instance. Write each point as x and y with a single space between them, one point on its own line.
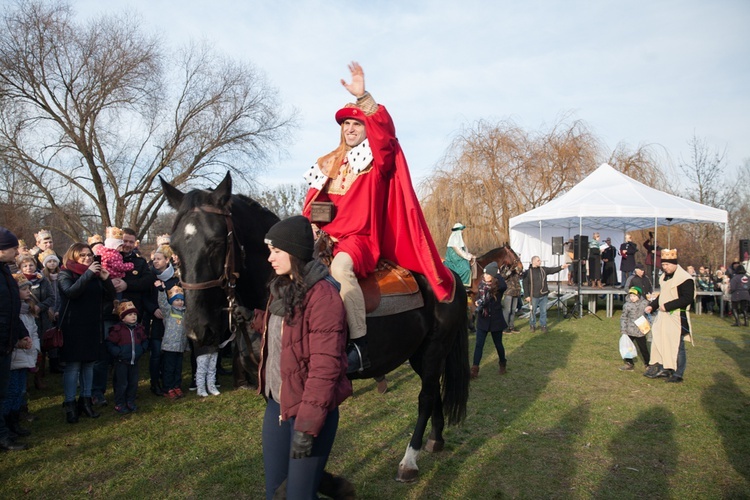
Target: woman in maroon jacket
303 363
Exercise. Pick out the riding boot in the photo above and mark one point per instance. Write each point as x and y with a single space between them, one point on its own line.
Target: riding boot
474 371
86 408
744 318
736 315
503 370
357 353
71 412
12 420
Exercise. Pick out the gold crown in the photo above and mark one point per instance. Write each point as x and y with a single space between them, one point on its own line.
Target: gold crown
114 233
175 290
166 250
21 243
47 253
669 254
42 235
125 307
94 238
21 280
163 239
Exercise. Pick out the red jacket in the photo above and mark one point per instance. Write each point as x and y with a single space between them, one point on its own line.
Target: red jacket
313 359
380 216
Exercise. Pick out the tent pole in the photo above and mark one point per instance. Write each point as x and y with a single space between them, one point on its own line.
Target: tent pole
580 267
725 246
656 249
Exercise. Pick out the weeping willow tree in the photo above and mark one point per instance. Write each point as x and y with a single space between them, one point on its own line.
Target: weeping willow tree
494 171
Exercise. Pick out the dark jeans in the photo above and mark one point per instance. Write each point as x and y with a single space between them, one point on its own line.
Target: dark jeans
155 361
497 338
126 383
302 475
642 345
15 396
172 370
4 381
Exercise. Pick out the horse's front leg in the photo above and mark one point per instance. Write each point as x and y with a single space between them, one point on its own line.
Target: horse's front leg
408 469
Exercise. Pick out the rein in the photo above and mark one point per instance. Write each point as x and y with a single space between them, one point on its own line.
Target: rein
228 280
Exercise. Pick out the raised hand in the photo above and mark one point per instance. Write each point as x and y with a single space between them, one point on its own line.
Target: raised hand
357 86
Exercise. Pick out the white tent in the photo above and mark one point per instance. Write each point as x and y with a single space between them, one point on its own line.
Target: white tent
608 202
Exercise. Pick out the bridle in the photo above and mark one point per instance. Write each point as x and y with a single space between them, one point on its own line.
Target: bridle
228 279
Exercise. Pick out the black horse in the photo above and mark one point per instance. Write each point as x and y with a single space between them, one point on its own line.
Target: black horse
433 338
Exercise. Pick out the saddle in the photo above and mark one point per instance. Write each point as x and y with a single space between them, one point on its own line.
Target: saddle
390 289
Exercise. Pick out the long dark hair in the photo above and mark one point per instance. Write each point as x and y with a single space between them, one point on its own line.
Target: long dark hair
291 291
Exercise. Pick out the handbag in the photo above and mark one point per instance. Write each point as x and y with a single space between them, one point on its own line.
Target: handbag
52 339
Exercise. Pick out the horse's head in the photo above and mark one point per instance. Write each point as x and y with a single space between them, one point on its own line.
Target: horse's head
199 238
511 258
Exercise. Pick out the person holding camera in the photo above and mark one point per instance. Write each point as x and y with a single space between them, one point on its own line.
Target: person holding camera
86 292
373 211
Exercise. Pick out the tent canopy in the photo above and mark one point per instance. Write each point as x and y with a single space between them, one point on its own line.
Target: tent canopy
609 202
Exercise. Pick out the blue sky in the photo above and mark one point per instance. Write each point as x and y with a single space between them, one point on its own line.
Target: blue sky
639 72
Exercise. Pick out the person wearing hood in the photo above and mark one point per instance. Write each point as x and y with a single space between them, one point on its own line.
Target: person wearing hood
162 269
303 362
457 257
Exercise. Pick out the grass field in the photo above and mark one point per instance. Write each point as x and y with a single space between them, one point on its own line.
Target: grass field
563 423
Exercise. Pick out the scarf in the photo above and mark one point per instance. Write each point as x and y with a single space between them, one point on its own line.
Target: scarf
75 267
166 274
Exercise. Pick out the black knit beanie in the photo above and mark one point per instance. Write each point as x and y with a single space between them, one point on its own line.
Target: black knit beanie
294 236
7 239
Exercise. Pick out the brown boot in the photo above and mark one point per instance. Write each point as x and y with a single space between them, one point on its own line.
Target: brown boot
474 371
502 370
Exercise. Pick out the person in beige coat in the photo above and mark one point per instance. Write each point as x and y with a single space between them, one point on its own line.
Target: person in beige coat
672 324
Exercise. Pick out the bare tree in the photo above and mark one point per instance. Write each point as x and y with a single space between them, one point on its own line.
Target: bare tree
93 113
494 171
705 179
284 200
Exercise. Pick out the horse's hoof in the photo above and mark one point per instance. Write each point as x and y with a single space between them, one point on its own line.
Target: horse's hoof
433 446
382 386
406 475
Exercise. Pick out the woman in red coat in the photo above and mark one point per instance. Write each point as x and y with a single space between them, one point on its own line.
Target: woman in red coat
303 364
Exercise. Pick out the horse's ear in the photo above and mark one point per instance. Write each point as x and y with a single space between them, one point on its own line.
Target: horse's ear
223 192
174 195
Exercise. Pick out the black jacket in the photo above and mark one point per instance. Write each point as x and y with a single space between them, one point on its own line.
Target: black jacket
85 301
11 327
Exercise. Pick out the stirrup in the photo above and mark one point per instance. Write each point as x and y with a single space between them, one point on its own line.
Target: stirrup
350 361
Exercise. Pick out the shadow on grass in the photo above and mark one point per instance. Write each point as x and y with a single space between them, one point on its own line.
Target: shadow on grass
738 351
530 368
646 456
725 402
548 457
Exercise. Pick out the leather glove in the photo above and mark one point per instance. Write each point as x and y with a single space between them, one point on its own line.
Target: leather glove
301 445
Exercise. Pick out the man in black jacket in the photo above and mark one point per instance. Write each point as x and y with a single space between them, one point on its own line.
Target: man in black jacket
536 290
135 287
12 330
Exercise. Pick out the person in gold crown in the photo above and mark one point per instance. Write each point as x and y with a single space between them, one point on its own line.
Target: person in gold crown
174 342
672 324
43 242
126 343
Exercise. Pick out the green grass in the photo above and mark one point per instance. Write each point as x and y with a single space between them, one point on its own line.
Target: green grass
563 423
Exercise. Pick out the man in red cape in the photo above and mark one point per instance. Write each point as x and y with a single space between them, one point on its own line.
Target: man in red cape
377 213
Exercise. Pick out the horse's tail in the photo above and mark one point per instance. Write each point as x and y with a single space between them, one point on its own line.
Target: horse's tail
455 390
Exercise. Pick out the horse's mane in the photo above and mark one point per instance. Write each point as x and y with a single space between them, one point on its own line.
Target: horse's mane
504 256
